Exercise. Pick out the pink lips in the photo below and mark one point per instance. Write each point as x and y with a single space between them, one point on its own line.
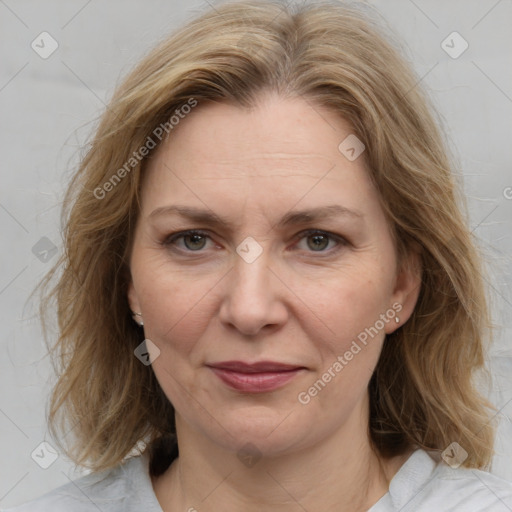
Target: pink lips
256 377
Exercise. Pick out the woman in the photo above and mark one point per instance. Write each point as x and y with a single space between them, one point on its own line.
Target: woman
269 293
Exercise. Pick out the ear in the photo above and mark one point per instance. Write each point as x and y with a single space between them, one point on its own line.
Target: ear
133 299
407 289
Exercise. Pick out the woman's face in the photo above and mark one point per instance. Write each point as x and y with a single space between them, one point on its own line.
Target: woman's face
259 283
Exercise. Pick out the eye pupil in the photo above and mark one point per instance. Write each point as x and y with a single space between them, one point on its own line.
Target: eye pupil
195 237
317 245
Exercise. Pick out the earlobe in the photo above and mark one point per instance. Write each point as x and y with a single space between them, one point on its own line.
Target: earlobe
133 301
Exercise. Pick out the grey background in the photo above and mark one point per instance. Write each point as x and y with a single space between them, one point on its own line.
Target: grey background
48 107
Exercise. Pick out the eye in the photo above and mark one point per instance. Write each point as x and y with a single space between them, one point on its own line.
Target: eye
193 240
318 241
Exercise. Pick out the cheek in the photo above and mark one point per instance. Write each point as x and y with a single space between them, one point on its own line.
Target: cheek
178 309
180 316
349 302
351 308
177 304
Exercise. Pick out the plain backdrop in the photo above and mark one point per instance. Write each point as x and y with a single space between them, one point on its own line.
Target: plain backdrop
47 108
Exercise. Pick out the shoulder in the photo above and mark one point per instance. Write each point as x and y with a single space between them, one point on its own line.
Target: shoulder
424 483
473 489
119 489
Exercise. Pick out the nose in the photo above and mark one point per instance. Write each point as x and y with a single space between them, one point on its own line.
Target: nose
254 298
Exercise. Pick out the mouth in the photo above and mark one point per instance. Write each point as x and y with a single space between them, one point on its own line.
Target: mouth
258 377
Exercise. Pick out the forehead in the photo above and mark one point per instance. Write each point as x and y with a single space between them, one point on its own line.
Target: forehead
278 152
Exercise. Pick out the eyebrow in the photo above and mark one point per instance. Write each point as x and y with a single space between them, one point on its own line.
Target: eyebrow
202 216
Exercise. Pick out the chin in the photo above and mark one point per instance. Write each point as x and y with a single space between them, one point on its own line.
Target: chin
270 433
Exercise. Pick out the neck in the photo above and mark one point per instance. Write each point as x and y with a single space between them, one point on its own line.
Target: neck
340 473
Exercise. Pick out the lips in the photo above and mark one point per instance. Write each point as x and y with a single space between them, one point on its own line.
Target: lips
258 377
257 367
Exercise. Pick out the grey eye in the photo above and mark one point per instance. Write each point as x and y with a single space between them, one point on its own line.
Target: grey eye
194 241
319 241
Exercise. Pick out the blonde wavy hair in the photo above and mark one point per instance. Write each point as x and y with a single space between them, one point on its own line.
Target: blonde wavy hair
422 393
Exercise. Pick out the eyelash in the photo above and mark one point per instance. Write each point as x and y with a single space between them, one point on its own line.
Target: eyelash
170 240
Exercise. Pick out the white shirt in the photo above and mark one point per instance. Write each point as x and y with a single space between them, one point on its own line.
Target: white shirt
420 485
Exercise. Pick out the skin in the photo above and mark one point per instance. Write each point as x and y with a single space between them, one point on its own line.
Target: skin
296 303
